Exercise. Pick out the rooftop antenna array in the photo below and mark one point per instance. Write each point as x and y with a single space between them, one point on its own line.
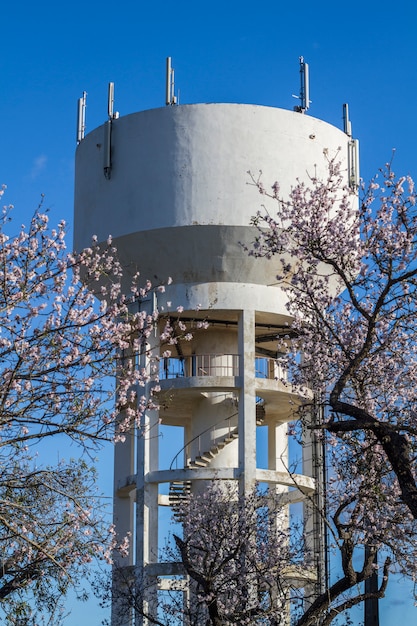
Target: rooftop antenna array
112 115
304 96
82 104
170 98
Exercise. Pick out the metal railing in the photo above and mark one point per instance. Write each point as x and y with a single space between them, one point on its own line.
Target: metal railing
218 365
227 421
271 369
199 365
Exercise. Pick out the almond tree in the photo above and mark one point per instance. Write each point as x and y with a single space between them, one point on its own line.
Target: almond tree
350 276
246 566
60 349
51 530
239 555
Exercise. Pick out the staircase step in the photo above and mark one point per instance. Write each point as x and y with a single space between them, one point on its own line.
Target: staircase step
179 491
206 456
200 462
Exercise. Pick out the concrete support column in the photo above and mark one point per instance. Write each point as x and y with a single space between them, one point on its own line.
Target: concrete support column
277 447
147 512
124 466
123 518
247 401
146 549
278 460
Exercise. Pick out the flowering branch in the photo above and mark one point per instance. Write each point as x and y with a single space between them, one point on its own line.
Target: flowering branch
350 277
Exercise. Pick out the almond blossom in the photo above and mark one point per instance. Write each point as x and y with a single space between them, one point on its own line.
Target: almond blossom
67 333
350 275
240 560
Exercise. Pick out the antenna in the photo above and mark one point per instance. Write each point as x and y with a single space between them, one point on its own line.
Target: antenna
353 164
347 126
168 82
170 97
353 151
82 104
304 88
113 115
110 101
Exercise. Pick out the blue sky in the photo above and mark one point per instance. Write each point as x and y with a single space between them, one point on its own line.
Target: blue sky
363 53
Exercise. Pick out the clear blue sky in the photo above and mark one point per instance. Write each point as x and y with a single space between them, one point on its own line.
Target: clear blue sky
363 53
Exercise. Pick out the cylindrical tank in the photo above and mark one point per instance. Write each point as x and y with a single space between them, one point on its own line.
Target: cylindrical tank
179 201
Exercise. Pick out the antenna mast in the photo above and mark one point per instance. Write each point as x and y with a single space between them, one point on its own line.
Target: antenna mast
353 164
353 151
305 87
170 98
82 104
113 115
304 96
347 126
110 101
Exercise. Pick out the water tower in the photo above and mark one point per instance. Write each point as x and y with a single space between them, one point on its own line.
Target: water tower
171 187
